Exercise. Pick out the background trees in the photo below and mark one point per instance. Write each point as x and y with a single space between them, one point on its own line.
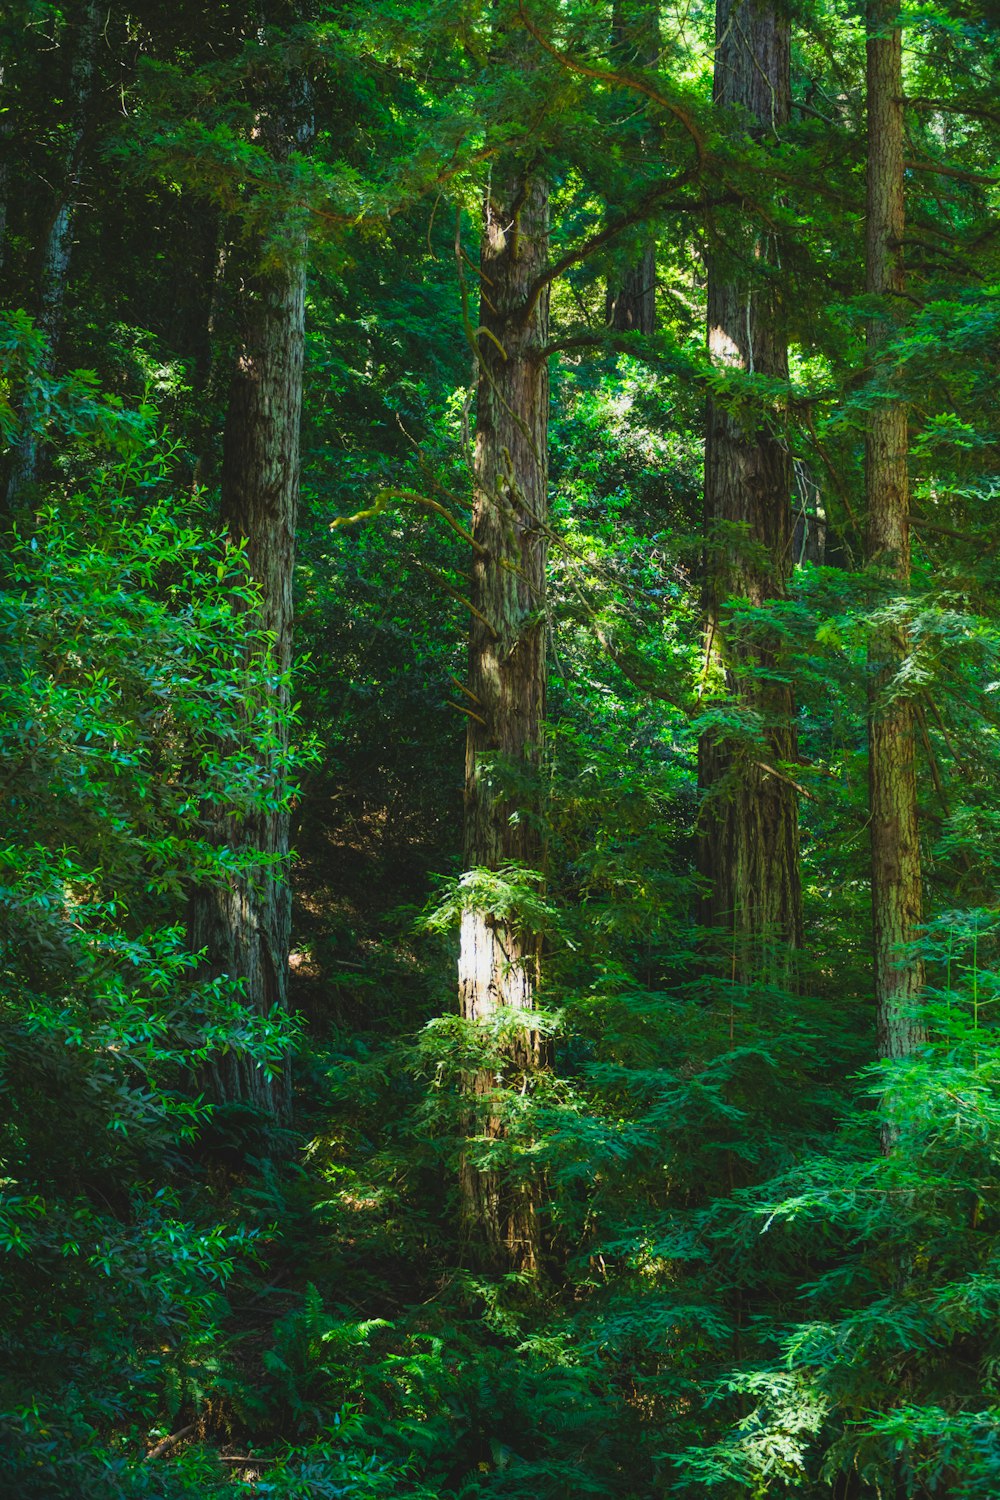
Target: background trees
749 854
535 585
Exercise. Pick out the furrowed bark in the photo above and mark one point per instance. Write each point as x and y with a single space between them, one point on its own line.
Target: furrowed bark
631 304
895 841
245 927
749 841
6 134
499 960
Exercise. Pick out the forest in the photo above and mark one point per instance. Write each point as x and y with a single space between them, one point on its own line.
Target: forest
500 735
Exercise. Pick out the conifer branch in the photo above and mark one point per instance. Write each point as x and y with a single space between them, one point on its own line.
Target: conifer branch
461 708
610 232
457 595
780 776
638 83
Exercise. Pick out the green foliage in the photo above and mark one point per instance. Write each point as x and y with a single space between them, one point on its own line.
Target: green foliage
510 894
123 681
743 1293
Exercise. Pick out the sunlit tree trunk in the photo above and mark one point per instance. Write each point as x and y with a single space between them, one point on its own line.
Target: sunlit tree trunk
499 960
895 842
749 843
53 271
245 927
631 301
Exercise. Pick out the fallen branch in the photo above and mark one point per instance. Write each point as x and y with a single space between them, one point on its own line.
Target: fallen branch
168 1442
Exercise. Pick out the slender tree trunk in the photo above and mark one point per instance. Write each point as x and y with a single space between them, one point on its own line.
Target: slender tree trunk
211 361
499 959
56 251
749 842
809 538
895 842
6 133
635 38
246 926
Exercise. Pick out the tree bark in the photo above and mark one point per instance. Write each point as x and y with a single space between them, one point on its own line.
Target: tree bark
499 957
245 926
749 841
631 303
212 359
57 249
895 841
6 133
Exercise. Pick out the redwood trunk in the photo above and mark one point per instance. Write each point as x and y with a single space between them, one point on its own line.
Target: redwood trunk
749 842
53 273
895 842
245 927
6 134
499 959
631 303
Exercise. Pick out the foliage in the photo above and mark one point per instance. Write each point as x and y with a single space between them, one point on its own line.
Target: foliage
122 683
743 1293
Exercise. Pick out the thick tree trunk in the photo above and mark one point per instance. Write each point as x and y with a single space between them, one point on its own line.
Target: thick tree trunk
53 272
499 959
895 842
245 926
749 842
635 39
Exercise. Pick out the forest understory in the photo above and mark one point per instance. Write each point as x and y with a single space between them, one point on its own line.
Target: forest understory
499 750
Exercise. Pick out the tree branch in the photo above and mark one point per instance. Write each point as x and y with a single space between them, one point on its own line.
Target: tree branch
609 232
638 83
169 1442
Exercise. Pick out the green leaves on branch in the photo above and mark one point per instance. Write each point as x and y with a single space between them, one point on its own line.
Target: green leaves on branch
510 894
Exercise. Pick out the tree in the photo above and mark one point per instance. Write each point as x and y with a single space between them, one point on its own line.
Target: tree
246 930
499 962
749 830
895 839
57 245
631 305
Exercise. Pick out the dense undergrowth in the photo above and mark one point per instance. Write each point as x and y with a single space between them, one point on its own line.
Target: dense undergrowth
743 1293
771 1263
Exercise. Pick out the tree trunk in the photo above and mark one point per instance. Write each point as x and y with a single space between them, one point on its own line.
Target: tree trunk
631 306
212 359
246 926
55 258
499 958
749 842
6 134
895 842
809 538
635 39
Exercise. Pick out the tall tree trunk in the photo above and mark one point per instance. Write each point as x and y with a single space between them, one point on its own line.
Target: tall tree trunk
749 842
246 926
895 842
499 958
809 536
6 133
635 38
53 271
212 358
